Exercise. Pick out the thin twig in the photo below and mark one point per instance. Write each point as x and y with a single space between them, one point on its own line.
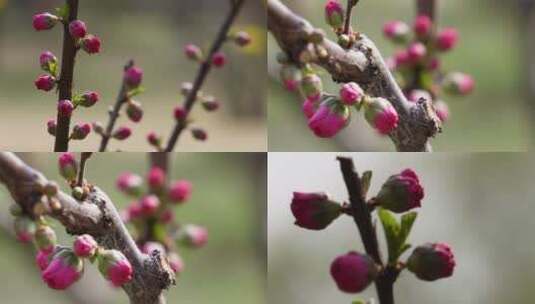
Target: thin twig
427 8
66 79
349 10
122 98
83 159
202 73
362 216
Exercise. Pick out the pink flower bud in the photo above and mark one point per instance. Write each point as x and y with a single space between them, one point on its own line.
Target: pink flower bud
98 127
311 86
91 44
167 216
134 111
68 166
353 272
149 204
195 236
64 269
459 84
133 76
45 83
398 31
416 95
242 38
150 247
134 211
329 119
423 25
401 192
434 64
44 21
381 115
314 211
122 133
80 131
77 29
442 110
154 139
431 262
85 246
334 14
193 52
199 134
175 261
291 77
219 59
156 178
42 259
115 267
65 108
129 183
417 52
351 94
402 58
180 113
89 99
447 39
309 107
24 229
51 126
210 104
48 61
45 238
180 191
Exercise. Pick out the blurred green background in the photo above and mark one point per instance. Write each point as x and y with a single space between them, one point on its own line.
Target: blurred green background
228 198
154 34
481 204
495 118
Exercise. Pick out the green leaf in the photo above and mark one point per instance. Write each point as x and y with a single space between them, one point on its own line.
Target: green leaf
391 229
407 221
159 232
365 182
136 91
358 302
63 11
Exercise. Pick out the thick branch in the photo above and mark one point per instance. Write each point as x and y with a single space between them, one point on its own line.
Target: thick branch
114 112
66 78
363 64
204 69
363 219
97 216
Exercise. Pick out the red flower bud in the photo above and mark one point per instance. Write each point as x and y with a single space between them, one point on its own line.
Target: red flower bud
311 86
48 62
115 267
397 31
89 99
91 44
45 238
44 21
351 93
195 236
219 59
154 139
423 25
210 104
156 178
180 191
149 204
68 166
417 52
431 262
442 110
401 192
134 111
122 133
416 95
175 261
447 39
80 131
64 269
51 126
85 246
334 14
45 83
133 211
381 115
242 38
314 210
459 84
353 272
291 77
133 76
77 29
193 52
42 259
150 247
65 108
24 228
199 134
129 183
180 113
330 118
309 107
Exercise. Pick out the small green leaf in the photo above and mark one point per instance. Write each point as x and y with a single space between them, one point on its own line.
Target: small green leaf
365 182
358 302
135 92
63 11
391 229
159 232
407 221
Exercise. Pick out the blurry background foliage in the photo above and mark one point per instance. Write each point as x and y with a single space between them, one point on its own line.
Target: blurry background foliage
481 204
496 117
154 34
228 198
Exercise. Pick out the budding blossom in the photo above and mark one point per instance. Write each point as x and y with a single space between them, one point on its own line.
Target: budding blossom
51 126
309 108
398 31
154 139
219 59
68 166
459 84
195 236
133 76
115 267
423 25
63 270
175 262
353 272
199 134
80 131
351 93
329 119
431 262
44 21
242 38
442 110
401 192
180 113
122 133
381 115
89 99
78 29
134 111
129 183
85 246
45 83
447 39
314 210
42 259
45 238
65 108
311 86
417 52
180 191
193 52
334 14
156 178
47 60
149 204
291 77
24 229
91 44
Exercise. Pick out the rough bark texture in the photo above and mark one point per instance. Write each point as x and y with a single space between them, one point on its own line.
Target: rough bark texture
363 64
96 216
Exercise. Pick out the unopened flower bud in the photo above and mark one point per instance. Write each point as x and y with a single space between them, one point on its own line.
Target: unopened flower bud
311 86
334 14
401 192
180 191
133 76
314 210
150 247
195 236
24 228
122 133
442 110
89 99
45 83
199 134
180 113
242 38
210 104
115 267
130 183
330 118
193 52
98 127
353 272
63 270
134 111
447 39
401 58
85 246
44 21
154 139
459 84
51 126
423 26
417 52
156 178
417 95
397 31
167 216
381 115
133 211
65 108
351 93
219 59
309 107
68 166
78 29
80 131
91 44
42 259
48 62
45 238
290 76
175 262
431 262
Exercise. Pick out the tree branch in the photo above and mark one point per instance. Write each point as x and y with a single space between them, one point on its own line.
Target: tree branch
204 69
361 213
427 8
114 112
66 78
96 216
363 64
